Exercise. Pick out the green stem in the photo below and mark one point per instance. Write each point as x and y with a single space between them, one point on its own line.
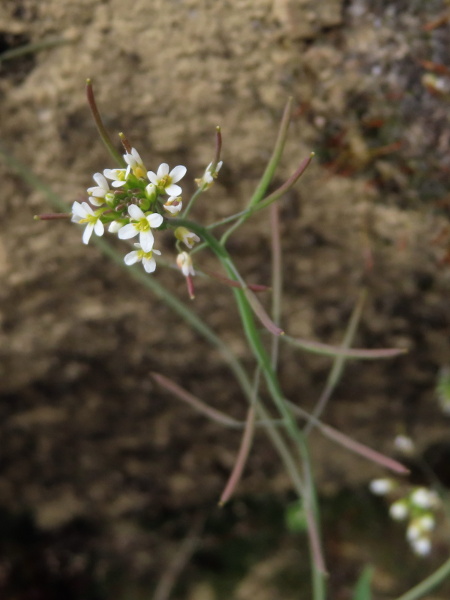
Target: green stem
191 202
428 584
276 393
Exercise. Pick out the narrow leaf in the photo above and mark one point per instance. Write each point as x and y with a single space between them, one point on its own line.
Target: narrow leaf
355 353
242 457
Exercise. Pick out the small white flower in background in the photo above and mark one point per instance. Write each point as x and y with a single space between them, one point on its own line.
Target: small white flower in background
418 532
380 487
141 224
83 213
399 510
417 507
135 164
98 193
187 237
117 176
165 181
184 262
173 205
414 531
148 262
421 546
404 444
424 498
209 175
426 522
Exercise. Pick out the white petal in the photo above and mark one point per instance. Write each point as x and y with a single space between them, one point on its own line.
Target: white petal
163 169
118 183
109 173
99 228
87 208
101 181
114 226
150 189
96 191
127 232
96 201
87 233
173 190
158 252
152 177
421 546
178 173
131 258
173 209
155 220
146 240
135 212
149 264
78 210
136 156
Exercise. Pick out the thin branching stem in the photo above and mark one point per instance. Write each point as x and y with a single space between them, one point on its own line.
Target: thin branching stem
263 360
428 584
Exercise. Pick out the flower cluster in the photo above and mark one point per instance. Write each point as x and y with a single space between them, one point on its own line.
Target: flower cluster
418 507
132 202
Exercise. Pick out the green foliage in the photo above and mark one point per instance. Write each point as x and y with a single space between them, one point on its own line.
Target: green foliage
363 585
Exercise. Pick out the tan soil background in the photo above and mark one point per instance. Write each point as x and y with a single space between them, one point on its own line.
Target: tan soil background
84 433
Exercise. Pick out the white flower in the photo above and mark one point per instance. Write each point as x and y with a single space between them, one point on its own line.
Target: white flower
209 175
83 213
148 262
173 205
421 546
135 164
404 444
98 192
414 531
187 237
141 224
166 181
117 176
419 527
184 262
381 486
399 510
426 522
424 498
